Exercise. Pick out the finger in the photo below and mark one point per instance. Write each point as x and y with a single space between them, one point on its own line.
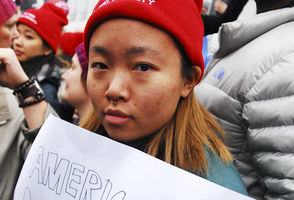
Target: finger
2 64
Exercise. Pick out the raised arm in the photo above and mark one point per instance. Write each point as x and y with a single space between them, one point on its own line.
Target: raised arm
29 95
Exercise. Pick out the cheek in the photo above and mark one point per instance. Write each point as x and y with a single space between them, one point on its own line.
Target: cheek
7 35
160 103
95 92
32 48
91 89
5 39
151 100
4 32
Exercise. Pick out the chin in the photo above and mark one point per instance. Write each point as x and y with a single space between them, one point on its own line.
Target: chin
64 98
21 59
119 137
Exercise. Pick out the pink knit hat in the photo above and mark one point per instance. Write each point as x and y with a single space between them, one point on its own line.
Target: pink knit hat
82 59
180 18
7 9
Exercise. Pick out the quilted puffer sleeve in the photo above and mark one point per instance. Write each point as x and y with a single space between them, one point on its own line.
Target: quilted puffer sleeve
269 111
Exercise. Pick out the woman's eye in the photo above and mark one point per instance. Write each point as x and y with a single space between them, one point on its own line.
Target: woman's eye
99 65
29 37
143 67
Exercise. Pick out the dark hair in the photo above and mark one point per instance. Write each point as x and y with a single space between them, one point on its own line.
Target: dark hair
46 45
267 5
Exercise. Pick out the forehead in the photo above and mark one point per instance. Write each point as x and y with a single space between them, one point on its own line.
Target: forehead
135 32
12 19
126 24
25 28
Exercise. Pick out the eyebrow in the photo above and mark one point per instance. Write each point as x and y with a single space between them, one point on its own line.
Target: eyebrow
99 50
28 31
140 50
131 51
25 31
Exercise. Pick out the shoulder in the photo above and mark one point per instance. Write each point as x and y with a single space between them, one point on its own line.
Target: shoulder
224 174
245 69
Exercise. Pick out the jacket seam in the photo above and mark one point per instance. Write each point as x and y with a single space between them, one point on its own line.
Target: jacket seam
269 69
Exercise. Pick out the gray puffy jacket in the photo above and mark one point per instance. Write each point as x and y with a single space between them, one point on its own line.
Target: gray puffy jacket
15 141
249 89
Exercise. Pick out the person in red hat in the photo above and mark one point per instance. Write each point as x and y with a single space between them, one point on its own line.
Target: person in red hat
144 61
39 37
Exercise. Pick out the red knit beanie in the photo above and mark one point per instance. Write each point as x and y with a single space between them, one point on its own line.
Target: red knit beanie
47 21
180 18
7 9
70 41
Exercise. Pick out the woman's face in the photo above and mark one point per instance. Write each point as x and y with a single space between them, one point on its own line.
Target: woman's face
139 66
29 44
74 93
8 32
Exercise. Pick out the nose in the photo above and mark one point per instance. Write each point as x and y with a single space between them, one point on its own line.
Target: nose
17 41
15 33
64 75
119 87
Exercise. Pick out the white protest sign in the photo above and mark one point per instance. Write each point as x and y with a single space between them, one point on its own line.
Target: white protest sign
67 162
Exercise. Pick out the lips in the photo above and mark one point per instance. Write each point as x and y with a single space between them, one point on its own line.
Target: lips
116 117
18 53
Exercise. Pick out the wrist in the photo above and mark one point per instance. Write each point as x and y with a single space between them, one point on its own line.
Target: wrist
19 82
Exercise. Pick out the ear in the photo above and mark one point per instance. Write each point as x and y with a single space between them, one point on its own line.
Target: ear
47 51
190 83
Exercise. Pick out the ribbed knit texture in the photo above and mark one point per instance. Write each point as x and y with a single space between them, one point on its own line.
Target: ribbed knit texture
70 41
179 18
82 59
7 9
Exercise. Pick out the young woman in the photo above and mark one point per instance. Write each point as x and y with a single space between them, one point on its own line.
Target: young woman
144 61
37 44
75 92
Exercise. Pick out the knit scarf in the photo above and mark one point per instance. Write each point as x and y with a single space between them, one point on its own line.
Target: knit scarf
34 65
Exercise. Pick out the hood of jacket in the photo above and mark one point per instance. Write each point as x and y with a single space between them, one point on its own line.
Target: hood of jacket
232 37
